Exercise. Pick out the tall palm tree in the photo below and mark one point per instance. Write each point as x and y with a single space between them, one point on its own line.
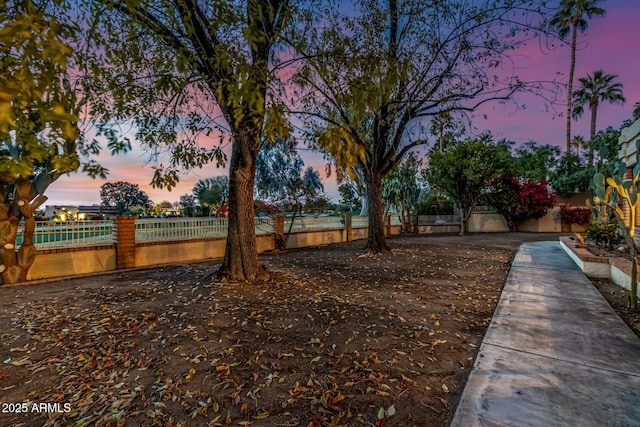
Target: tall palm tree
578 141
593 89
570 18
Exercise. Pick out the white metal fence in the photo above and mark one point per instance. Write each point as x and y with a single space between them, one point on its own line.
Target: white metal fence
311 223
50 235
484 209
158 230
265 225
360 222
95 233
438 219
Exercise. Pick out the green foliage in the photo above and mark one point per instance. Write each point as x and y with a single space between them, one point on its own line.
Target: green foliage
349 197
536 162
572 16
606 145
39 135
401 189
124 196
374 72
145 69
435 203
465 171
593 90
188 204
38 109
212 192
571 175
604 234
281 181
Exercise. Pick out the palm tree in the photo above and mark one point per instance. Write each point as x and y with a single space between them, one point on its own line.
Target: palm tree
578 141
593 89
570 18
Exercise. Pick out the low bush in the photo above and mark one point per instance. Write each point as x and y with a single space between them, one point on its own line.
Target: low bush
604 234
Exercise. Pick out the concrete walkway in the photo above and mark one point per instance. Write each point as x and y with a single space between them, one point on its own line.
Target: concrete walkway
555 353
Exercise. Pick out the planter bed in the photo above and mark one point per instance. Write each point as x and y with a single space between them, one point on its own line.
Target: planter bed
616 268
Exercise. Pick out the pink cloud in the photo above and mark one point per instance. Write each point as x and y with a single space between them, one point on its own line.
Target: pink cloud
611 44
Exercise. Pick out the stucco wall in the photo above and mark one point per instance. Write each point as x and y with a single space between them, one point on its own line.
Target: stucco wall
438 228
316 238
165 252
487 223
189 250
550 223
73 261
69 262
495 223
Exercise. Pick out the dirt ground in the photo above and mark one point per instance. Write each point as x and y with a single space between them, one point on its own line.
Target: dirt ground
618 298
332 339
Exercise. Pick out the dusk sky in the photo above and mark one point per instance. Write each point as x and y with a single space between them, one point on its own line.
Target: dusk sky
612 44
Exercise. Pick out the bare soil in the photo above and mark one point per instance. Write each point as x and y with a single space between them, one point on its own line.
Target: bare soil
618 298
616 295
332 339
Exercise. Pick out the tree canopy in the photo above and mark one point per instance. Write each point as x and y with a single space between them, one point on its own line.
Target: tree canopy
123 196
280 179
185 74
212 192
466 171
39 136
593 90
573 16
373 77
536 162
401 189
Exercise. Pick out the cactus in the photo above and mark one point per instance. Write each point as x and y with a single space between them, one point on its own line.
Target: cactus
606 198
603 198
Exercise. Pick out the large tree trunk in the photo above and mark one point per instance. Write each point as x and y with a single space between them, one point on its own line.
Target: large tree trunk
376 241
572 68
15 265
465 214
241 254
364 211
592 133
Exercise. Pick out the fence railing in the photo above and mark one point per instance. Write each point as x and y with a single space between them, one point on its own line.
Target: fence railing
359 222
157 230
484 209
438 219
305 223
50 235
265 225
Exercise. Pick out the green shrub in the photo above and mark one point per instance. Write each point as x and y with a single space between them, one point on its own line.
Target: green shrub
604 234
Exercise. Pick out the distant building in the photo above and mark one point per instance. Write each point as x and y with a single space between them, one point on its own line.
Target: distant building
628 137
79 213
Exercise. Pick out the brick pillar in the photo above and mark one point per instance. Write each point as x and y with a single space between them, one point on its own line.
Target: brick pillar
347 224
124 234
280 225
279 237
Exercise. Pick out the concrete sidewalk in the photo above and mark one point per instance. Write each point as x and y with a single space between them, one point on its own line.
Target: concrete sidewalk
555 353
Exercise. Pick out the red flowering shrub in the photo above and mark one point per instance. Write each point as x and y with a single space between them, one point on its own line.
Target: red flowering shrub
580 216
520 199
